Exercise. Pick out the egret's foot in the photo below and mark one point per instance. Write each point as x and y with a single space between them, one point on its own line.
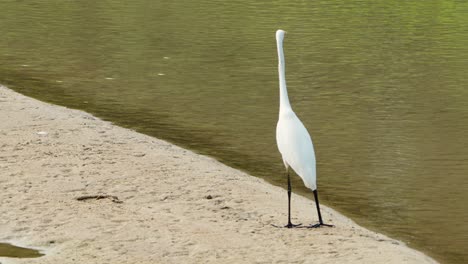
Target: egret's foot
319 225
289 225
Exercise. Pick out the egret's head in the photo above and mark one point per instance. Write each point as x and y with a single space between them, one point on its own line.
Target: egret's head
280 34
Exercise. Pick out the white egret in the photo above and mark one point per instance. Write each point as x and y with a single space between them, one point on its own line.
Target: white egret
293 140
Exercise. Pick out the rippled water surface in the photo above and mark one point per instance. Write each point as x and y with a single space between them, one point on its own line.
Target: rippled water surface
381 85
11 251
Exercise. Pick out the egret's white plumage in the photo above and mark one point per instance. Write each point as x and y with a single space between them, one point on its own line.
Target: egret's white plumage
293 140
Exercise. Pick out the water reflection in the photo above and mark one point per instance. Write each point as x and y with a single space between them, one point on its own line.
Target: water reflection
379 85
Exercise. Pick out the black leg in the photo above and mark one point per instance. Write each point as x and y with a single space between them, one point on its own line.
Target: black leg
318 211
289 225
289 200
318 206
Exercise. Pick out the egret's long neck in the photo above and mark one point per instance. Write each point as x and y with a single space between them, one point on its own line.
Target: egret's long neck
284 99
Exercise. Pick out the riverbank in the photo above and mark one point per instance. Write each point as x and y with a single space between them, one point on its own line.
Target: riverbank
170 206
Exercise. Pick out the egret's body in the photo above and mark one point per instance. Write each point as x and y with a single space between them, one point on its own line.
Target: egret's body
294 142
296 147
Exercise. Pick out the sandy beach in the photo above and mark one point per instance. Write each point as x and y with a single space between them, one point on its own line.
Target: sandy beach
170 206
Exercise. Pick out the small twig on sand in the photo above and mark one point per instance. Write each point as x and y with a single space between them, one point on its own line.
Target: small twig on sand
113 198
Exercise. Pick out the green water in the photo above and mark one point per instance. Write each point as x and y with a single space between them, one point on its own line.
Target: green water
10 251
381 85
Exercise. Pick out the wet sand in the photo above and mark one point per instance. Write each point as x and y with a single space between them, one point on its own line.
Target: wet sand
170 206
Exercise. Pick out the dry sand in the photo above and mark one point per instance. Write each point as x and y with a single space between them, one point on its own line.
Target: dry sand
50 155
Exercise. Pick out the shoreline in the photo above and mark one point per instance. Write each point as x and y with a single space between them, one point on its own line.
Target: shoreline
176 206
